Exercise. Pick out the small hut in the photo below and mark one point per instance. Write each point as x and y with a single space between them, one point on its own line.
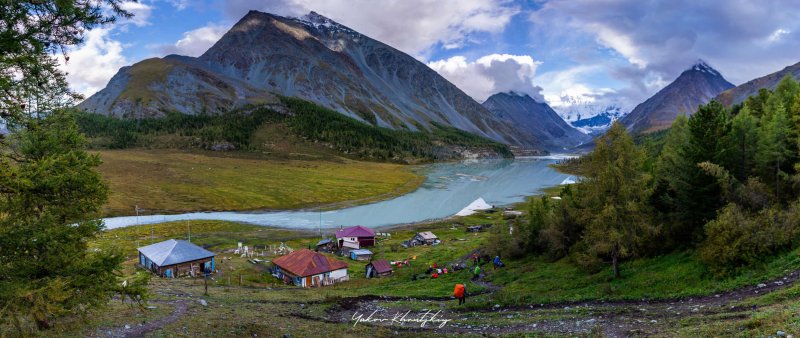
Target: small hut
174 258
378 268
360 255
326 245
426 237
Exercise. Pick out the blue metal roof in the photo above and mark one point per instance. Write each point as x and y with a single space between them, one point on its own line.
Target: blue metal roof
172 251
361 252
324 241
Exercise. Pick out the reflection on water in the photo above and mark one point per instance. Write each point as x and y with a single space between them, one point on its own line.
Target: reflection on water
449 187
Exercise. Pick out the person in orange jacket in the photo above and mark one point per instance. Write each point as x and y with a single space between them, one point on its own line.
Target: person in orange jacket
460 292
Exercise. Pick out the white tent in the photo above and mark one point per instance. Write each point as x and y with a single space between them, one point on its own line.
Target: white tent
478 204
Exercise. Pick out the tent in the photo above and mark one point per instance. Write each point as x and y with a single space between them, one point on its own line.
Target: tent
478 204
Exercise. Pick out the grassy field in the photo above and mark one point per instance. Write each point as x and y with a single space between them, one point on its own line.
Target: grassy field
172 181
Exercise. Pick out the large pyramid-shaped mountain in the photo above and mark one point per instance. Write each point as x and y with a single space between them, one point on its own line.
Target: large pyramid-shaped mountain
694 87
313 58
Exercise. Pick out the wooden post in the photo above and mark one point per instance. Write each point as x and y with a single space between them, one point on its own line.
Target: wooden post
205 281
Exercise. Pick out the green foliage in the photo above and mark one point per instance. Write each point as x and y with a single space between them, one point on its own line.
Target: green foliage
30 34
50 190
736 239
305 119
612 200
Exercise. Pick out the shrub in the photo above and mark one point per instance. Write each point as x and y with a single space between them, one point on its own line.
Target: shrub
736 239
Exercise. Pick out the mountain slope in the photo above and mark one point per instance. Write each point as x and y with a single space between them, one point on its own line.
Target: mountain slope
694 87
312 58
535 118
750 88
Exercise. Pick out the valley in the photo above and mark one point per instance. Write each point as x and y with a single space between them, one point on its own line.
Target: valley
173 181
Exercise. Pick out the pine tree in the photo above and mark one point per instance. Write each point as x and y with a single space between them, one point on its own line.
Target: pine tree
775 146
50 190
741 145
613 199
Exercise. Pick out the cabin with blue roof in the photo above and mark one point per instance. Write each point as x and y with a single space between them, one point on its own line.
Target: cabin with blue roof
174 258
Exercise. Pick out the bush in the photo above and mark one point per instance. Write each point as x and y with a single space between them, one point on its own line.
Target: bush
736 239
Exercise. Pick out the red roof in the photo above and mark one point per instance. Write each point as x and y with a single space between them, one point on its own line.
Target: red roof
303 263
381 266
356 231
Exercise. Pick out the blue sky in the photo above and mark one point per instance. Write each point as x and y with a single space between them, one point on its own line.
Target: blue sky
587 51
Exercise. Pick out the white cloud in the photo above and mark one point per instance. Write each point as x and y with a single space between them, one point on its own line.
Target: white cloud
491 74
195 42
777 35
141 13
413 26
654 41
93 63
179 4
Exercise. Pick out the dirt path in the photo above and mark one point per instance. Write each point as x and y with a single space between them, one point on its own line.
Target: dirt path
181 307
611 319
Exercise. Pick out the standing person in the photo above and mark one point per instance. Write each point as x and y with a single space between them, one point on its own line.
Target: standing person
476 273
498 263
460 292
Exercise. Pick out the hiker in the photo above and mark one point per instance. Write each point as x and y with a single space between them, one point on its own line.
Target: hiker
460 292
475 258
435 275
497 262
476 273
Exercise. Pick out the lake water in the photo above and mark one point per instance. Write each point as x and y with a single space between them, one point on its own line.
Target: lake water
449 187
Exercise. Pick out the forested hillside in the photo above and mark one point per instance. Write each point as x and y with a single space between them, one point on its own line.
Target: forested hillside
307 121
723 182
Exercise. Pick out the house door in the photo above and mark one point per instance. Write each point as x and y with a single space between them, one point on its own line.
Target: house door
308 281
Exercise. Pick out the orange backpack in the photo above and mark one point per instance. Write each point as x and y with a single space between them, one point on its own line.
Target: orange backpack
459 291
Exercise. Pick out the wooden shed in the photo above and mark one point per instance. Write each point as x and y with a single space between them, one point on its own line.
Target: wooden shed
360 255
378 268
426 237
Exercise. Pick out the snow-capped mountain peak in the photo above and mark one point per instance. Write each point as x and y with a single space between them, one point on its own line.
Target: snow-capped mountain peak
702 66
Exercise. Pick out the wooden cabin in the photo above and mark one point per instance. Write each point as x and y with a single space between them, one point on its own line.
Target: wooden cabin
175 258
306 268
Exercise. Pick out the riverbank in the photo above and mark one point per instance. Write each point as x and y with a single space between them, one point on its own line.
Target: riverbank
173 181
448 187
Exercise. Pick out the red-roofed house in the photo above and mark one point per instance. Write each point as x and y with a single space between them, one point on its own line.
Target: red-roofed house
307 268
358 234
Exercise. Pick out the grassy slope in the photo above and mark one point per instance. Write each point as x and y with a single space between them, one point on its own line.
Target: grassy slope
175 181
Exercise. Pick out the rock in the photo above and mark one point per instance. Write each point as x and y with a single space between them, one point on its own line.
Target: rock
781 333
778 283
761 285
151 307
128 327
203 302
716 296
497 306
654 321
